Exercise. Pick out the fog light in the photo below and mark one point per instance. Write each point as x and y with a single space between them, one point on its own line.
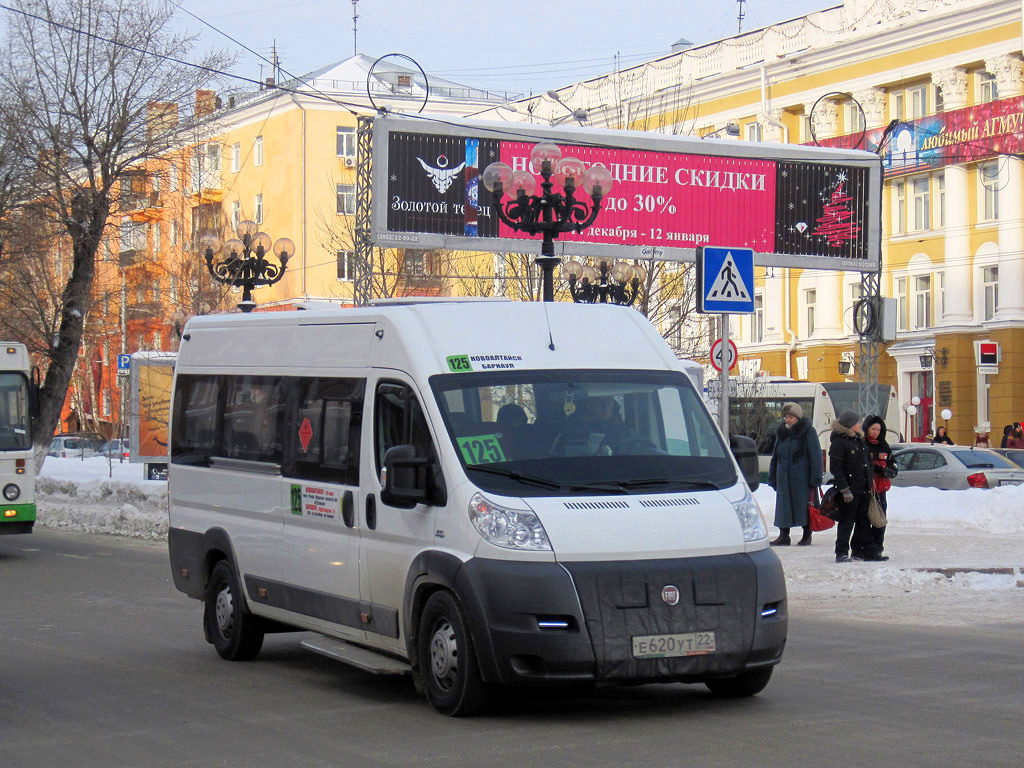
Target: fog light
10 513
11 492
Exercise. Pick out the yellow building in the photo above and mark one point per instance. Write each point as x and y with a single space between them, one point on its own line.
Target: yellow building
949 73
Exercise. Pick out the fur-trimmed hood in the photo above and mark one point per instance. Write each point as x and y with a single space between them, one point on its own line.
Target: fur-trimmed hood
799 428
838 430
869 421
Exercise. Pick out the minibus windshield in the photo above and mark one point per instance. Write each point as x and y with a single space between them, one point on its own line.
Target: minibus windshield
582 432
14 430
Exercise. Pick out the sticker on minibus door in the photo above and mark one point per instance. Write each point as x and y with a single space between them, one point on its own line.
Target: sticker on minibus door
315 501
481 449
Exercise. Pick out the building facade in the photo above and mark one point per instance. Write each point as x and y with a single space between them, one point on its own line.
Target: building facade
945 78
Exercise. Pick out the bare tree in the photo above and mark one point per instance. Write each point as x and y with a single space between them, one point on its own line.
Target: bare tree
81 77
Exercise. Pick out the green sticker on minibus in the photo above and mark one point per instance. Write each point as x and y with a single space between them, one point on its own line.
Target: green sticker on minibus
458 363
296 499
481 449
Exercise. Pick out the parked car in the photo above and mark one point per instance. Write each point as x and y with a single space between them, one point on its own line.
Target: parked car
1015 455
115 449
954 467
66 447
94 439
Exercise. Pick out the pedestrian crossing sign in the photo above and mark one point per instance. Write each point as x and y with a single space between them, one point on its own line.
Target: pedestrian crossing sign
725 280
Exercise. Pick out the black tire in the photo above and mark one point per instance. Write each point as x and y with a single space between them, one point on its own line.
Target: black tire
236 634
447 660
744 684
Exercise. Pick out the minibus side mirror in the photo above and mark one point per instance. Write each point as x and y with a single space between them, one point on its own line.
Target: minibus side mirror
405 477
745 451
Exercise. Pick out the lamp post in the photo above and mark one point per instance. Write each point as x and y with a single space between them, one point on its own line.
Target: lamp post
729 129
549 213
617 282
246 266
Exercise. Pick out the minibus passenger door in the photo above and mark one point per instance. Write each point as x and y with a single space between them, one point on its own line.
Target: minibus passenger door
397 527
321 533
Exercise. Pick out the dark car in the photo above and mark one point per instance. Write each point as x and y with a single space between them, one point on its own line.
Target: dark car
1016 455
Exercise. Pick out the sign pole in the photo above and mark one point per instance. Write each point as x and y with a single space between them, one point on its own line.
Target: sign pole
723 397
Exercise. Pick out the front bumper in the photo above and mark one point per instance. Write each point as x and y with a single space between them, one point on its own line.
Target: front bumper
537 622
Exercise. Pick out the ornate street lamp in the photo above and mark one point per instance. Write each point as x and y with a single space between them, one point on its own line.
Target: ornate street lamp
549 213
616 282
246 266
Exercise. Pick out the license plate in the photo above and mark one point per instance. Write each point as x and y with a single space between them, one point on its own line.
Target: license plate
1011 482
664 646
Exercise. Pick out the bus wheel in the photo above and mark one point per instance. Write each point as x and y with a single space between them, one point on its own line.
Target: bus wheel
448 665
744 684
235 633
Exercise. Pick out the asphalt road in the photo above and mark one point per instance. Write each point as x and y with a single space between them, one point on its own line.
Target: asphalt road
103 663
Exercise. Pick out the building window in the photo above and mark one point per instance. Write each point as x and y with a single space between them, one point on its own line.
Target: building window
810 299
940 182
236 158
106 403
346 265
173 289
106 303
205 166
173 177
899 207
753 132
897 110
987 89
918 99
140 343
174 231
415 263
140 295
805 129
940 103
257 209
157 290
133 236
675 328
236 213
854 118
988 175
919 190
901 303
922 301
157 340
941 278
346 199
856 294
346 141
990 286
257 151
156 238
757 321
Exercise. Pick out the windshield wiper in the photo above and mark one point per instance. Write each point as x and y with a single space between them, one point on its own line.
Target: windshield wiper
543 482
623 486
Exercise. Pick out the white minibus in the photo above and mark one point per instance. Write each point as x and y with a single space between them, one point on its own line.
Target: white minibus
473 492
19 400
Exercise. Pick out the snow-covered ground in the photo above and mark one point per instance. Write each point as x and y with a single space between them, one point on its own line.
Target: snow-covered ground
956 557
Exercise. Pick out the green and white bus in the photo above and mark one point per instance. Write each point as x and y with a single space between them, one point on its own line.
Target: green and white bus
17 404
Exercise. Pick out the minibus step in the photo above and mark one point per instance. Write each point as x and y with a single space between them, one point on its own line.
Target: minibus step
363 658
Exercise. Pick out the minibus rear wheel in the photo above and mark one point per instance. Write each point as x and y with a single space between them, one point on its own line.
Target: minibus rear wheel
235 633
744 684
447 659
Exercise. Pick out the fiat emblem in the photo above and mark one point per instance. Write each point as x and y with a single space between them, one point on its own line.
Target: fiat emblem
670 594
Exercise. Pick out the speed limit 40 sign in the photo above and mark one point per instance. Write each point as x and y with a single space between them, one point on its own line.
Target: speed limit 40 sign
716 355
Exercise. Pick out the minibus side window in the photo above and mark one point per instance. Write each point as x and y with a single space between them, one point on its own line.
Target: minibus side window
254 411
196 430
325 433
400 421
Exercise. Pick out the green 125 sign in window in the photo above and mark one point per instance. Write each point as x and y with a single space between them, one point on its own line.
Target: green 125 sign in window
481 449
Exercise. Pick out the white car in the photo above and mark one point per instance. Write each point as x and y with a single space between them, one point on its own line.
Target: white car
70 448
115 449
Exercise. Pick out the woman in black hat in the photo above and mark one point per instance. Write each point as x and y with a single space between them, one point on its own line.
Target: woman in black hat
852 475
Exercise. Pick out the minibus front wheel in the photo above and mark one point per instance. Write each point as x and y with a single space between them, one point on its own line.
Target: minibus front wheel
448 665
235 633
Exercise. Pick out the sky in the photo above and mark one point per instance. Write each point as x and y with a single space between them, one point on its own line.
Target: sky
501 45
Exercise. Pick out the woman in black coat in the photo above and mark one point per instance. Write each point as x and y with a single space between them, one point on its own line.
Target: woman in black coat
884 468
852 474
941 438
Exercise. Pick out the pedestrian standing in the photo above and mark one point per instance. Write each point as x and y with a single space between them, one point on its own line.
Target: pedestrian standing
981 439
795 470
1016 438
884 468
1007 431
941 438
852 475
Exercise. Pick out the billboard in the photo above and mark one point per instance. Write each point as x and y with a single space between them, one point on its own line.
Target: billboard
961 135
151 377
794 206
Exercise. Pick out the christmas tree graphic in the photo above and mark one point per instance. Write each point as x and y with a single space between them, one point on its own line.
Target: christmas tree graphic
836 225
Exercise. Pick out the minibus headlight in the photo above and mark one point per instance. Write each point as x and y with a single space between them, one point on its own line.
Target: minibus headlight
508 528
11 492
751 520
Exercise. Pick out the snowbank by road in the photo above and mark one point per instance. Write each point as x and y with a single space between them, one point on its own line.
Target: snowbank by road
957 557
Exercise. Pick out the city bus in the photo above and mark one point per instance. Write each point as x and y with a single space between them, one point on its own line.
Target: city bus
18 398
755 410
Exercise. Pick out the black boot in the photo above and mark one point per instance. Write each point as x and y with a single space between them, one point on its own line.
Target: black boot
783 540
805 540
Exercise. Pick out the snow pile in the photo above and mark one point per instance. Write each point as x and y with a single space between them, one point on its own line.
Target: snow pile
80 495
